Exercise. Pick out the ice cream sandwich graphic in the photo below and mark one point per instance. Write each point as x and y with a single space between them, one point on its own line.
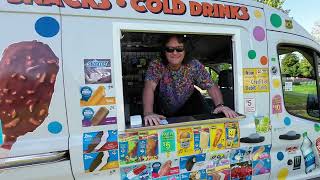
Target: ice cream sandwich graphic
28 72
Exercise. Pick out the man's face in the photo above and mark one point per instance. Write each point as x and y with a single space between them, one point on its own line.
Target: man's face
174 52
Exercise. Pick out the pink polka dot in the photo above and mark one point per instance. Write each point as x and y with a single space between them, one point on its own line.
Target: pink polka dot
259 33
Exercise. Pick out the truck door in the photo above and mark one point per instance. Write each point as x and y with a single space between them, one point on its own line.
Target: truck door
33 123
294 110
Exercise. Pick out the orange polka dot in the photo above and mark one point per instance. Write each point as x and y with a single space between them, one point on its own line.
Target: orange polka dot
264 60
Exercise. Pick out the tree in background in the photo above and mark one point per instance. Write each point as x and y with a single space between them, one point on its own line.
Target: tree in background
294 66
316 31
290 65
305 68
275 3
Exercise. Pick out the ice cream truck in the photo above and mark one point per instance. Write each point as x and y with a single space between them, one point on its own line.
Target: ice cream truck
71 80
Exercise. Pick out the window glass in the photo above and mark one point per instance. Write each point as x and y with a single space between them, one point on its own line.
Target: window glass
299 81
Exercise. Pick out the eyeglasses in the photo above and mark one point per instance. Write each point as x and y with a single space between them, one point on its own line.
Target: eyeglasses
172 49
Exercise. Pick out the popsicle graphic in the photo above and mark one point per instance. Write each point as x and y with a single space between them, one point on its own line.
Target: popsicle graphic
216 140
257 154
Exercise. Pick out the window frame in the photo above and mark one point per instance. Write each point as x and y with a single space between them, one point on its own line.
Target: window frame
138 26
317 78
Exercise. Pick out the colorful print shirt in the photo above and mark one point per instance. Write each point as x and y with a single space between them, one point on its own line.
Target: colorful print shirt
175 87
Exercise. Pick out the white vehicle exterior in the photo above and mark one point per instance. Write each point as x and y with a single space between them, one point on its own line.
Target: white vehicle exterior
76 30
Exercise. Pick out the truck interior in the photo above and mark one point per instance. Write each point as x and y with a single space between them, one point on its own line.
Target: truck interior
139 48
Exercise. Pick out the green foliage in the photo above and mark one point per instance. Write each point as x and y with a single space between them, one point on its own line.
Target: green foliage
305 68
273 3
292 66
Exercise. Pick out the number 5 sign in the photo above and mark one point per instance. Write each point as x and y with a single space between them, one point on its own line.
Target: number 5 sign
249 104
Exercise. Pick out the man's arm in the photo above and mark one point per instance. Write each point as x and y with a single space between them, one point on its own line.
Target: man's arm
216 96
148 100
148 97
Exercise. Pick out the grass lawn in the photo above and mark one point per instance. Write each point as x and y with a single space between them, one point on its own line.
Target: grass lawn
296 100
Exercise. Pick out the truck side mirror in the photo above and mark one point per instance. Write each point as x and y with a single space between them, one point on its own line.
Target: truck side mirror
313 105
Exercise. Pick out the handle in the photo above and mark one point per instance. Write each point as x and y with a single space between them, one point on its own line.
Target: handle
51 157
253 138
289 137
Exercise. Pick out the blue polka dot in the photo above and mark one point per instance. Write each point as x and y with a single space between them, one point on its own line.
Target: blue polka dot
47 27
287 121
280 156
54 127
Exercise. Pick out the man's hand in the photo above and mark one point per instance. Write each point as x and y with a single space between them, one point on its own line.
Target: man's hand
153 119
229 113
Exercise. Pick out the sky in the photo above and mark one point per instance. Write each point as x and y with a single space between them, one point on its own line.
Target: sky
305 12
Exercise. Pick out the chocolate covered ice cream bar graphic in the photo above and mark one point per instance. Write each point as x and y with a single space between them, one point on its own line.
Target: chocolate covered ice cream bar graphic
99 116
96 140
96 162
28 73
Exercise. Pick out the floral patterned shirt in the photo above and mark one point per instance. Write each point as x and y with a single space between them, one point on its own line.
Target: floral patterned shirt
175 87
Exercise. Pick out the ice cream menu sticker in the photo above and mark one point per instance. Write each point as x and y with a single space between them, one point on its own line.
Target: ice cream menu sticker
99 161
95 95
185 141
168 141
138 147
97 71
100 150
217 137
99 115
255 80
100 141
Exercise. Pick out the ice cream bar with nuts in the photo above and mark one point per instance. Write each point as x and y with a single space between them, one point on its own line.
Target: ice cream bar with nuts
28 72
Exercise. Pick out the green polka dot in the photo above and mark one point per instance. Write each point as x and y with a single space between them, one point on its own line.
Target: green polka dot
276 20
273 59
317 127
252 54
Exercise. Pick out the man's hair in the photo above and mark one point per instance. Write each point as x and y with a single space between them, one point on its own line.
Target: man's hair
181 39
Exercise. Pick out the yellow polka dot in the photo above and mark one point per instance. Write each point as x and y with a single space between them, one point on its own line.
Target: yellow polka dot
276 83
283 173
257 14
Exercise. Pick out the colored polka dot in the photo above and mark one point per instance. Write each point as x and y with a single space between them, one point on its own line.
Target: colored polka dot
264 60
276 20
283 173
55 127
47 27
257 14
276 83
252 54
316 127
287 121
280 156
259 33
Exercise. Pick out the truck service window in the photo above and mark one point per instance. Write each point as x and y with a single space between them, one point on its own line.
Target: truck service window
139 49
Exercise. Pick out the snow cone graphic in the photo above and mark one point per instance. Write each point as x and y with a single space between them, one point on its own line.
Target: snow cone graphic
28 73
